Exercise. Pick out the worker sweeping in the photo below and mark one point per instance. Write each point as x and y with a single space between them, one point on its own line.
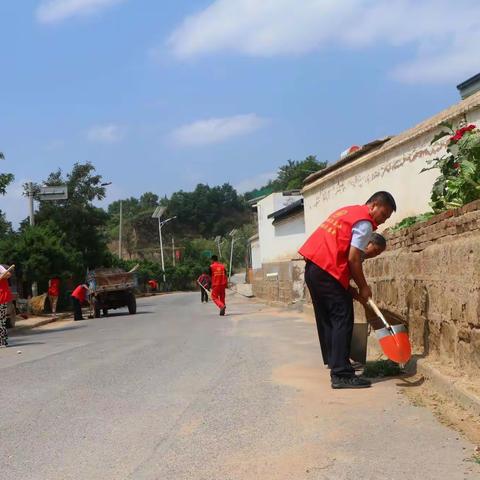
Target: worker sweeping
153 285
219 281
334 255
79 296
5 297
375 247
53 294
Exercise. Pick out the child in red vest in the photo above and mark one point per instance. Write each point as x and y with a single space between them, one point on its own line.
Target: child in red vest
205 284
334 254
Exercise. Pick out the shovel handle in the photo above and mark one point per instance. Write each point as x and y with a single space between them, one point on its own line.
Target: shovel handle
8 270
377 311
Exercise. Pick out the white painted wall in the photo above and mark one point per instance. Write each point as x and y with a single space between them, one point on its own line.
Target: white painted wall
396 170
256 255
278 242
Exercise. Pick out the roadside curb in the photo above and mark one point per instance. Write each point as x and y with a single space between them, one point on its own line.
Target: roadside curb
449 387
41 323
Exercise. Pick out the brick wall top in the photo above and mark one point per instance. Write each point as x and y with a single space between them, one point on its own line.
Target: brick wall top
445 225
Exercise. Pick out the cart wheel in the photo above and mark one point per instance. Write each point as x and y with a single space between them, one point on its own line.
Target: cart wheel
105 312
132 304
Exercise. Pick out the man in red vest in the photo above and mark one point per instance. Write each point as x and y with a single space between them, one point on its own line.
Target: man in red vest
79 296
218 275
334 254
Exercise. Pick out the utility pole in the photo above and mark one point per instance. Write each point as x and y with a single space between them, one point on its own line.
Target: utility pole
173 251
120 231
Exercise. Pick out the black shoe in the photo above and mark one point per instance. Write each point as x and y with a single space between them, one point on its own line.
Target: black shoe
222 311
350 382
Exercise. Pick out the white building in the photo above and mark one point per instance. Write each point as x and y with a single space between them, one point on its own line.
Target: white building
391 164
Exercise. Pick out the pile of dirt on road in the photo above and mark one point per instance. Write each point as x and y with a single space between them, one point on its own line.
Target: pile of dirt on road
423 394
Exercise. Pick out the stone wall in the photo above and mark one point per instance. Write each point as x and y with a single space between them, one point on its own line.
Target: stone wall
280 282
430 278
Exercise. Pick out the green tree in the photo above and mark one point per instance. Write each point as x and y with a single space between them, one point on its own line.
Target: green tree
5 178
5 226
40 252
289 177
207 211
139 229
82 223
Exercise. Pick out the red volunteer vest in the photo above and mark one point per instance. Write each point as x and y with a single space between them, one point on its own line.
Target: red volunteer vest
5 293
54 288
329 244
219 275
80 293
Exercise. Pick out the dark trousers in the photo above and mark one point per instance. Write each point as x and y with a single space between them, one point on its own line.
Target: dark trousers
204 294
77 309
333 306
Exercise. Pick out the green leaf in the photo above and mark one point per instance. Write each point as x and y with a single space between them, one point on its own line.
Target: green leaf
446 125
439 136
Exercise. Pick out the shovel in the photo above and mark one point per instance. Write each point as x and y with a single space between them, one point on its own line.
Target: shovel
392 338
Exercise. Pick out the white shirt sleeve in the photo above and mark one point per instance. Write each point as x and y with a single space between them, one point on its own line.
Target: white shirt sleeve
361 234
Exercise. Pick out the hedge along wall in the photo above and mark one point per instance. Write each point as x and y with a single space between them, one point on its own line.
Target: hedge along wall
430 277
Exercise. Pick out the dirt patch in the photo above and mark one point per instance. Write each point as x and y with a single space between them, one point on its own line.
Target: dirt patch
445 410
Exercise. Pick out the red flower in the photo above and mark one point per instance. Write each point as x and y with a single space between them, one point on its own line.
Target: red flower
456 165
461 131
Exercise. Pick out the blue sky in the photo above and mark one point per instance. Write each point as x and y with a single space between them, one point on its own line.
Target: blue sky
162 95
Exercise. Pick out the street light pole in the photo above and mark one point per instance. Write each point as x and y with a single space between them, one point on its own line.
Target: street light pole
32 223
120 231
160 224
232 234
159 211
218 240
30 200
173 251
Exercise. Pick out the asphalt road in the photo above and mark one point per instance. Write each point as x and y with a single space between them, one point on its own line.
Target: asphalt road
177 392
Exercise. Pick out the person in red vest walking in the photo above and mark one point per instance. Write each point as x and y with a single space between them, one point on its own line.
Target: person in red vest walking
218 275
79 296
334 254
53 294
5 297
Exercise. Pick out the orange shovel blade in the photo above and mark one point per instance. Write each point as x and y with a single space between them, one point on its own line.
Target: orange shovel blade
396 346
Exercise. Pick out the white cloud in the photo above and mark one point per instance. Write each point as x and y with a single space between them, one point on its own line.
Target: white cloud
217 130
106 133
53 11
257 181
442 34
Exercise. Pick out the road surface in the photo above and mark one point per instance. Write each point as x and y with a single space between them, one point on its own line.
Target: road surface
178 392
